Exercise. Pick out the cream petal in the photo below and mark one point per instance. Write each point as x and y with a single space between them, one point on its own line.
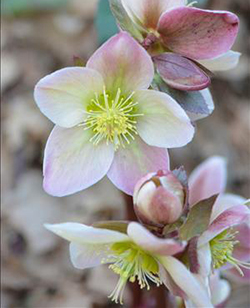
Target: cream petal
194 290
82 234
164 123
63 95
72 163
169 282
88 255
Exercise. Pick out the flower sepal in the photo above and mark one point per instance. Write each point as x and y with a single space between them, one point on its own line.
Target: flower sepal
180 72
201 212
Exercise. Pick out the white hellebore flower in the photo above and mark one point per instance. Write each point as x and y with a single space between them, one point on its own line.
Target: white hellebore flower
134 255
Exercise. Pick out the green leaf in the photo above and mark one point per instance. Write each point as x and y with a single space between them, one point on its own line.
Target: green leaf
105 22
173 227
115 225
198 219
124 20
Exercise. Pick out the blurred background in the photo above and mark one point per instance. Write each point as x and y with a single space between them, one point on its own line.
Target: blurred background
38 37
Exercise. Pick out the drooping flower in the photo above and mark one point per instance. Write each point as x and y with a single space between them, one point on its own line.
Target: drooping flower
135 255
107 121
181 37
223 244
159 198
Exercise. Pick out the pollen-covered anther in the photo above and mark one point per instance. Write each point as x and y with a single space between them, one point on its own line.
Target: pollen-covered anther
112 118
222 247
132 263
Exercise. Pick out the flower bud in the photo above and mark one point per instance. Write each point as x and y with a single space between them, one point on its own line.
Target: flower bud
159 198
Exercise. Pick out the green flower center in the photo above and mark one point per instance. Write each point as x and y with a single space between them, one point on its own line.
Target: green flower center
112 118
222 247
131 263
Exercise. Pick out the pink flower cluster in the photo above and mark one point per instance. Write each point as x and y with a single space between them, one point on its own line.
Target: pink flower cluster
138 96
184 241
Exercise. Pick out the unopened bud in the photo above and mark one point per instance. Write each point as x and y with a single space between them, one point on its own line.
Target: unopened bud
159 198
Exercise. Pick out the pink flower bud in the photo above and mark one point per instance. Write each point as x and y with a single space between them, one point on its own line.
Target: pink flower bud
159 198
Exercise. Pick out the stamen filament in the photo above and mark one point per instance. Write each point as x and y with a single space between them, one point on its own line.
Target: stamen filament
222 247
112 119
131 263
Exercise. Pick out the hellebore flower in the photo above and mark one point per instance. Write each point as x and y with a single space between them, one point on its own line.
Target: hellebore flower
134 254
223 244
179 36
107 121
159 198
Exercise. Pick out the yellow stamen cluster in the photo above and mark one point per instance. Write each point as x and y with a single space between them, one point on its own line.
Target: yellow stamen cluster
112 118
131 263
222 247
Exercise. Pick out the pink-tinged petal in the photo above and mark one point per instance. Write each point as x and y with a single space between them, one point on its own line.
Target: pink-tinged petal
243 235
149 242
63 95
208 100
198 34
220 289
123 64
225 202
133 162
229 218
83 234
164 123
224 62
72 162
242 253
169 283
208 179
187 281
181 73
87 255
242 249
146 13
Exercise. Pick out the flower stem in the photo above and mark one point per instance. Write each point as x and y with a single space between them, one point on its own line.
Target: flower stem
134 287
161 294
